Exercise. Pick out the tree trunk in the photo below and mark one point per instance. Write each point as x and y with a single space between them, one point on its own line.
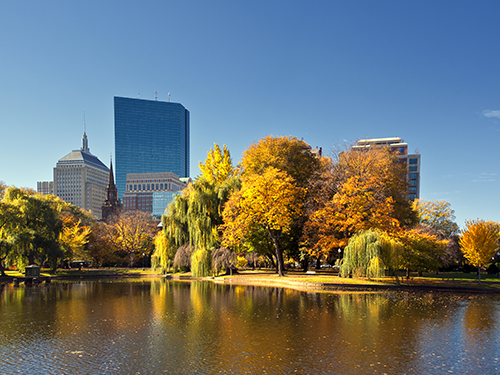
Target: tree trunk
279 254
479 273
407 274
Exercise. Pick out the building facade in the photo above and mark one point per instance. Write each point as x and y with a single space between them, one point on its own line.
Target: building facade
80 178
152 192
150 137
412 161
45 187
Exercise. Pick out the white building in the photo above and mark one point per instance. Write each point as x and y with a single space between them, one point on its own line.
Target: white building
80 178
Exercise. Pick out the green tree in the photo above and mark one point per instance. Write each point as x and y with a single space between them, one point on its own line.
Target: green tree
195 215
269 201
479 241
438 215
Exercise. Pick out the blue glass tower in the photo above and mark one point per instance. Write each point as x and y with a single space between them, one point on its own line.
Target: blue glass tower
150 136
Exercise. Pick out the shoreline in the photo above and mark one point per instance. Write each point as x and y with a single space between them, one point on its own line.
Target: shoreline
295 281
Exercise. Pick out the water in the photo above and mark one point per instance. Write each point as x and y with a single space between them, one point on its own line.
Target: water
161 326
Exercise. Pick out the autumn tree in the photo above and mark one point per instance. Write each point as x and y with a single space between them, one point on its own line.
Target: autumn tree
420 249
270 201
363 189
479 241
132 234
438 215
294 157
101 248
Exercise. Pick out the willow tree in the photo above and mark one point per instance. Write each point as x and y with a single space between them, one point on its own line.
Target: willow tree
195 215
368 254
270 201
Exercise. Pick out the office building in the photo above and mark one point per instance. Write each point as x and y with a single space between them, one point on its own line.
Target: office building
150 137
80 178
152 192
412 161
45 187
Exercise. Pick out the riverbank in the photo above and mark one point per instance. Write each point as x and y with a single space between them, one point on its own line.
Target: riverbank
312 281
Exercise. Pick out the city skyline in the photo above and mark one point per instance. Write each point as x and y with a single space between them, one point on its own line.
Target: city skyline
329 73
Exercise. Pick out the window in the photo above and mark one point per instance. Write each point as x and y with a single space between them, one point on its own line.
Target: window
413 182
413 189
413 161
413 176
413 168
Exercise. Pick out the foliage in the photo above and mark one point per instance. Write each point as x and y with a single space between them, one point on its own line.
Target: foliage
39 228
101 249
182 257
364 189
420 250
353 209
437 215
479 241
200 263
287 154
164 252
132 234
196 214
368 254
222 258
270 201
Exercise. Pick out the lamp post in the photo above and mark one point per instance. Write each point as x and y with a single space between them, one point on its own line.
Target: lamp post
143 267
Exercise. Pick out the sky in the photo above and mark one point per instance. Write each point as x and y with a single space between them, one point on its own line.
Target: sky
328 72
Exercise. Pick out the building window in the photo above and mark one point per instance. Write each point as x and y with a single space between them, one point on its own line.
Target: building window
413 182
413 168
413 161
413 176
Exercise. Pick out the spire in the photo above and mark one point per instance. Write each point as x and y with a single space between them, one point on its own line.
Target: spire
85 141
111 180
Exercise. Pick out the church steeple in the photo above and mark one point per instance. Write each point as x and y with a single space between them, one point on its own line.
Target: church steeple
112 205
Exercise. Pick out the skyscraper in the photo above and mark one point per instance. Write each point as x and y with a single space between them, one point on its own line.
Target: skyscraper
80 178
150 137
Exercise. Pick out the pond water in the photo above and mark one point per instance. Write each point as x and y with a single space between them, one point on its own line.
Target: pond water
158 326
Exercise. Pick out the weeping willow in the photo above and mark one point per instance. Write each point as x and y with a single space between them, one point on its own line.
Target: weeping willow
200 263
195 215
368 254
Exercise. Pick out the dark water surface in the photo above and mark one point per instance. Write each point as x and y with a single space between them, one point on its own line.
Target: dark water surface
160 326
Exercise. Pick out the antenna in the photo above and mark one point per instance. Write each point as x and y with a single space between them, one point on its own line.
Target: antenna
169 97
156 95
84 126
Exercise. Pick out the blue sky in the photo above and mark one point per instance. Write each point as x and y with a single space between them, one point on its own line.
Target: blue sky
328 72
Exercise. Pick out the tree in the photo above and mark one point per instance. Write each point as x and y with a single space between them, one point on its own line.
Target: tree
100 248
73 237
270 201
368 254
437 215
133 234
479 241
354 208
195 216
363 189
420 249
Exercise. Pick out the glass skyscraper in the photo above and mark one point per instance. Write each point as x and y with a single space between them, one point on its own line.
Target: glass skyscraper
150 136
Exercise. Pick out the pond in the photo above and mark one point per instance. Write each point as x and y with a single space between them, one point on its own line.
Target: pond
154 326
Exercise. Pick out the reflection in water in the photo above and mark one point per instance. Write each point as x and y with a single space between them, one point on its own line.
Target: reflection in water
155 326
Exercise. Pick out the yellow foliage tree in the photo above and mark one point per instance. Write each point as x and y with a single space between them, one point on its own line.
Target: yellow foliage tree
218 166
73 237
479 241
270 201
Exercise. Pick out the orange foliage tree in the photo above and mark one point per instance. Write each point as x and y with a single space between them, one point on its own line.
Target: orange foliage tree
270 201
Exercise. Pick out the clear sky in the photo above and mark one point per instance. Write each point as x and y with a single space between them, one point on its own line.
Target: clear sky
328 72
